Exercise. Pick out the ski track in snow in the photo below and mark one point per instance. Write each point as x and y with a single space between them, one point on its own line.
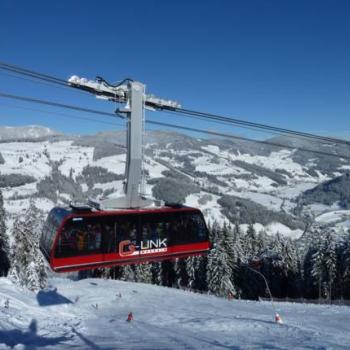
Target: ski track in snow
164 318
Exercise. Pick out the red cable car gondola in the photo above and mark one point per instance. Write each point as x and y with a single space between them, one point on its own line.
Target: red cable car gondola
82 238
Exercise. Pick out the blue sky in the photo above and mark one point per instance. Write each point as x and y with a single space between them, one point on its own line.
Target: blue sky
284 63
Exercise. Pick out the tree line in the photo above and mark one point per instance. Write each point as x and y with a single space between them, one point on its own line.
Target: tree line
316 267
22 261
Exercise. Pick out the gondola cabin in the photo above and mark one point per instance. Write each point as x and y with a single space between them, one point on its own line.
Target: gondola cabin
83 239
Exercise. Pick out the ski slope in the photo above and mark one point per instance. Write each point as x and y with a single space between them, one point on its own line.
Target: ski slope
91 314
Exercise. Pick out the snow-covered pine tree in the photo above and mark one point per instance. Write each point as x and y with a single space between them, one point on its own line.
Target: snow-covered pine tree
275 249
293 267
250 247
261 242
128 273
4 244
19 253
167 273
113 272
238 245
196 267
181 273
28 267
330 261
191 270
290 256
227 243
143 273
219 272
318 265
240 258
155 271
346 274
285 274
214 232
307 247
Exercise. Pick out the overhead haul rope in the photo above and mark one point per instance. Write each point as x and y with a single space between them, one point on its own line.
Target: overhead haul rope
186 112
202 131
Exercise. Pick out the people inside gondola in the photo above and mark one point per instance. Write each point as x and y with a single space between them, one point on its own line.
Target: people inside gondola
123 231
81 240
154 232
94 237
90 238
133 233
145 232
109 238
98 236
67 242
72 240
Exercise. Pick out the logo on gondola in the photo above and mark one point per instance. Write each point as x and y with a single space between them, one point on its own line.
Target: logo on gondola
127 248
126 245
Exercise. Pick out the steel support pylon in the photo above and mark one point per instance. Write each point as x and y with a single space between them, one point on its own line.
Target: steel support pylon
133 93
134 112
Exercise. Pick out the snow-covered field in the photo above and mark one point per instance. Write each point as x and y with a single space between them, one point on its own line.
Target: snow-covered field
92 313
216 169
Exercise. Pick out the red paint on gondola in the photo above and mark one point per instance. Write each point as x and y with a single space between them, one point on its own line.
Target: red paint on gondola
138 217
113 259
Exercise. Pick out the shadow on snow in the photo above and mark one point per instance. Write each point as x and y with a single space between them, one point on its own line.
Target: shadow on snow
30 339
51 297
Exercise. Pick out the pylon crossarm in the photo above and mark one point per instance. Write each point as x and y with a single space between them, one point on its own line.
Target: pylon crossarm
119 93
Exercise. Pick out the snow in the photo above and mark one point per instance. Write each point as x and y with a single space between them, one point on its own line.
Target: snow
90 314
36 159
294 189
211 209
114 164
20 205
154 168
29 131
319 208
270 202
212 212
75 158
339 220
257 227
276 160
265 183
212 149
34 162
277 227
115 186
273 228
333 216
25 190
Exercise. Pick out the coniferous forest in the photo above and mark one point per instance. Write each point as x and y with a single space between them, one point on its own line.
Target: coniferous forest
317 266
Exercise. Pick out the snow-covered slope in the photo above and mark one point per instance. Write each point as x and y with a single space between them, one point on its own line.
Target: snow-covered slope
92 313
59 169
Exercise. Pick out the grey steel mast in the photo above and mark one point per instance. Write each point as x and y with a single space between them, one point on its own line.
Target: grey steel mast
131 93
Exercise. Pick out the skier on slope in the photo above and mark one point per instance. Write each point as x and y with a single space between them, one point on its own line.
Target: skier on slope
130 317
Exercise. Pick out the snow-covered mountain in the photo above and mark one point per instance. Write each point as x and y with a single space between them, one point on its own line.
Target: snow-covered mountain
231 181
92 313
25 132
